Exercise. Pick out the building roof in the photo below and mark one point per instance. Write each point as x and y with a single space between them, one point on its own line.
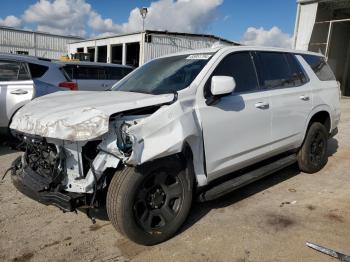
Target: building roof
321 1
40 32
162 33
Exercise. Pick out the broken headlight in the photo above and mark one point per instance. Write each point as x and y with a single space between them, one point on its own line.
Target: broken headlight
125 140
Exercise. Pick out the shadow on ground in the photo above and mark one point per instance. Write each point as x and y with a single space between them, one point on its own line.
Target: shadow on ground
199 210
5 148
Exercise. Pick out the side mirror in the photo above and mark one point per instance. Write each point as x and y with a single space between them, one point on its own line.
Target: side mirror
222 85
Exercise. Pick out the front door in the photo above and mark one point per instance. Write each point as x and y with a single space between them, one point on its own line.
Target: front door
236 130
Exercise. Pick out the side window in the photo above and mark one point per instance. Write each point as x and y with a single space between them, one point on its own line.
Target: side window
87 72
117 73
13 71
320 67
37 70
71 71
23 72
298 73
240 66
274 70
114 73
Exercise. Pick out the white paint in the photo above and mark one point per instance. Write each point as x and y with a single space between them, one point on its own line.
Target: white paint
78 116
222 85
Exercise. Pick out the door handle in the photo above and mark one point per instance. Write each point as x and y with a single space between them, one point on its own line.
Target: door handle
304 98
19 92
262 105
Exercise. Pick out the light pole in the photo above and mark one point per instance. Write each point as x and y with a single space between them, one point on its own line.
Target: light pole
143 13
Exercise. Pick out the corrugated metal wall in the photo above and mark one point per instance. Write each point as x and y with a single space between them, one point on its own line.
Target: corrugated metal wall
39 44
167 44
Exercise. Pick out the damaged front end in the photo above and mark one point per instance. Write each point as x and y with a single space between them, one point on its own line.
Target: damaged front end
39 173
72 175
76 174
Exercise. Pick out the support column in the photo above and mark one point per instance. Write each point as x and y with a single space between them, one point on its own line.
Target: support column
124 54
96 53
109 53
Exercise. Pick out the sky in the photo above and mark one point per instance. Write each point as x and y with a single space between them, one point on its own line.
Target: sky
254 22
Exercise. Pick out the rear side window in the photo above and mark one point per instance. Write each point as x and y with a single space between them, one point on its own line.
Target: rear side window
13 71
117 73
240 67
87 72
274 70
37 70
71 71
298 73
320 67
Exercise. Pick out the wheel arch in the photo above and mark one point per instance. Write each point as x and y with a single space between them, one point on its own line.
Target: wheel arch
320 114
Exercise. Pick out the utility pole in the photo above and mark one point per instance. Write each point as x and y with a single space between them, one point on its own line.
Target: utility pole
143 13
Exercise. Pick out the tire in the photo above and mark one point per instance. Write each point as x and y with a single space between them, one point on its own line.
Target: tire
149 204
312 156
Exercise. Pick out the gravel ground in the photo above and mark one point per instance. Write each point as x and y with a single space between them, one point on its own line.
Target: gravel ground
269 220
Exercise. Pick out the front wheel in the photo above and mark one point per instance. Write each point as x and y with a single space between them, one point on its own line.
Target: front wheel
148 204
312 156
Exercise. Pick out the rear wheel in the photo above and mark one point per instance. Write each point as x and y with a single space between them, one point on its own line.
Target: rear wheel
312 156
149 204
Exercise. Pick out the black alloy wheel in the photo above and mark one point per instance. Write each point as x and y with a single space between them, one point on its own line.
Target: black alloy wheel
158 200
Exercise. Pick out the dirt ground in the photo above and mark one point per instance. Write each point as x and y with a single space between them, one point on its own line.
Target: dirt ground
269 220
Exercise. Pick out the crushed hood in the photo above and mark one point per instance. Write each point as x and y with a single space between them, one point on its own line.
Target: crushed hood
79 115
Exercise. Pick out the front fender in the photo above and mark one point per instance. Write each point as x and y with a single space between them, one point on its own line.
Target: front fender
165 133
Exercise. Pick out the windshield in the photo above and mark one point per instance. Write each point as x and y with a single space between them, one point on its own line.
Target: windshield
164 75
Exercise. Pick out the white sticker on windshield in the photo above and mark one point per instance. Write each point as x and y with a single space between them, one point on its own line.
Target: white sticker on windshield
199 57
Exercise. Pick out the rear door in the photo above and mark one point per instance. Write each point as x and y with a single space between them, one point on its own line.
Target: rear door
16 89
289 89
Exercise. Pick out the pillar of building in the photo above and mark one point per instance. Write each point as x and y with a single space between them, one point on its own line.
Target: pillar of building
109 53
124 54
96 54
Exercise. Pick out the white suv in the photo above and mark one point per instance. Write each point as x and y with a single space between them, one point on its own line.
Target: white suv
200 123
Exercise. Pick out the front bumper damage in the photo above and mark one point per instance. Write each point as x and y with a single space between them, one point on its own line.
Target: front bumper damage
86 167
33 185
57 173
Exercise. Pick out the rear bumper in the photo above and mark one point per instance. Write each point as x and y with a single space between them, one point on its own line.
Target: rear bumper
35 187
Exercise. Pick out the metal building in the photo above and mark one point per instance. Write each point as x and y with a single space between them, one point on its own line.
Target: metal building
138 48
324 26
13 40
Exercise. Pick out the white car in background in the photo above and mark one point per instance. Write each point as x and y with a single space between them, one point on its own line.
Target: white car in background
17 76
91 76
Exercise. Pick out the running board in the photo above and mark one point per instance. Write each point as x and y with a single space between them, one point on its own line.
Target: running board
247 178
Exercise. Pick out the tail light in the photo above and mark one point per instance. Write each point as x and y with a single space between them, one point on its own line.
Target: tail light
69 85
